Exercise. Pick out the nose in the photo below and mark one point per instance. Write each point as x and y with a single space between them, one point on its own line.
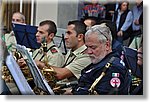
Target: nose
37 34
89 51
66 36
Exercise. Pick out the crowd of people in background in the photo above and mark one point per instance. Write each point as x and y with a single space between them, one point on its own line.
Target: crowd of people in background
126 15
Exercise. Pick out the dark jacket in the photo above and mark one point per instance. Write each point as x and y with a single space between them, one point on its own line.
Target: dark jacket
122 21
104 86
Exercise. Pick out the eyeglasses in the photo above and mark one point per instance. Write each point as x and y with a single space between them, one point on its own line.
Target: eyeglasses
96 28
16 20
102 33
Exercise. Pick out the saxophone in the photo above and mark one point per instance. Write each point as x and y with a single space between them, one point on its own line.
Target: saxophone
47 71
6 75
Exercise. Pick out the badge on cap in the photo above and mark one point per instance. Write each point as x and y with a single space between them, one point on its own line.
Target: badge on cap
115 82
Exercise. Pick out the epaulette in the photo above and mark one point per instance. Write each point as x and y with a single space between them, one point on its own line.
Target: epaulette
53 50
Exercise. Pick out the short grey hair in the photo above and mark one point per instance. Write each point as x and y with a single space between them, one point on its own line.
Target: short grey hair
21 15
103 32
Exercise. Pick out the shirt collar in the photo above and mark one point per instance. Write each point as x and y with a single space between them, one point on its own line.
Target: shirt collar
50 44
107 58
79 50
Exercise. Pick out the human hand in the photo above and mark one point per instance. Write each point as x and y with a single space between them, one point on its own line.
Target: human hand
21 62
120 33
68 91
136 22
39 64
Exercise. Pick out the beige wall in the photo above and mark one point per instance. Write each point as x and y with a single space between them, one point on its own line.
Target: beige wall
60 11
46 10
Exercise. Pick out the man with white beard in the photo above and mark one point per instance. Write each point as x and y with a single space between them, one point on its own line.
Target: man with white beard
107 74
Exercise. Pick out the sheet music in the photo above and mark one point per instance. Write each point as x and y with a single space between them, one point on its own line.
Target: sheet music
38 77
18 76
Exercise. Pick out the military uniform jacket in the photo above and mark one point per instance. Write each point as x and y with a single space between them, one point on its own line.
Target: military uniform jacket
116 80
10 41
77 60
54 55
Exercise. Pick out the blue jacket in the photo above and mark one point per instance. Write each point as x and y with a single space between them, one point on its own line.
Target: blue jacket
117 72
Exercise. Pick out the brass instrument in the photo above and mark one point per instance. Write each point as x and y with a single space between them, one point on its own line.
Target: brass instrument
17 55
135 85
48 71
6 74
25 70
136 81
39 91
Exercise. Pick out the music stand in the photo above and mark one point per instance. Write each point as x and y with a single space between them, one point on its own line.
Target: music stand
25 35
59 40
18 76
131 60
39 79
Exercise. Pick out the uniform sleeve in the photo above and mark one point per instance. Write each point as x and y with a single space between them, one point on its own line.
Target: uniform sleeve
56 59
10 41
113 82
34 53
78 64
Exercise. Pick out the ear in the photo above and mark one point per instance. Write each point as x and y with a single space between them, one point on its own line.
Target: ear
80 37
51 35
107 44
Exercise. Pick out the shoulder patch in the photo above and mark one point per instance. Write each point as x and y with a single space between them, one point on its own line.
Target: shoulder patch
115 82
53 50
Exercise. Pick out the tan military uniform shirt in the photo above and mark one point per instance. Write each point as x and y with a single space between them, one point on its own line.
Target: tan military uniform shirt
77 60
135 44
10 41
54 55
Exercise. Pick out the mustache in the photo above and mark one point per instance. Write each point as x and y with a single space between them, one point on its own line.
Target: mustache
92 56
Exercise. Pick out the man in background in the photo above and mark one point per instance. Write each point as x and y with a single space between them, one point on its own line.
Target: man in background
9 38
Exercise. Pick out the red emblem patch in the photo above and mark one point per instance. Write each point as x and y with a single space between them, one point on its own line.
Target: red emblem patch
115 82
54 50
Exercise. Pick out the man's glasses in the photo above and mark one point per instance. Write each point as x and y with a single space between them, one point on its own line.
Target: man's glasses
16 20
102 33
103 25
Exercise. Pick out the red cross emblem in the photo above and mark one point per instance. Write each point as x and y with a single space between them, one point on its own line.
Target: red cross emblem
115 82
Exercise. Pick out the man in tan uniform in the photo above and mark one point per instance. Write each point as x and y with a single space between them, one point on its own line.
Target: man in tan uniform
47 30
76 59
10 38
